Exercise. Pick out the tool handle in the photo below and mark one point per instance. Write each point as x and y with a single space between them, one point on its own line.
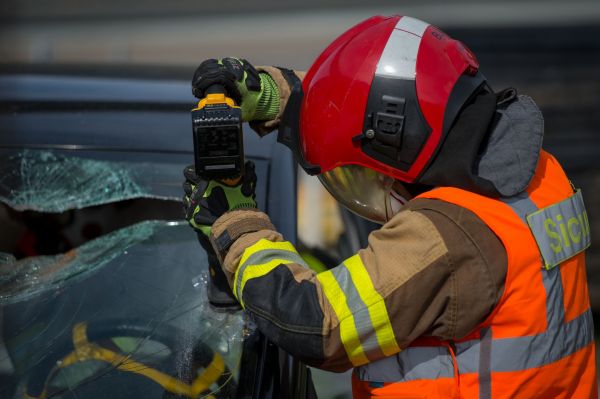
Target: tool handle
215 89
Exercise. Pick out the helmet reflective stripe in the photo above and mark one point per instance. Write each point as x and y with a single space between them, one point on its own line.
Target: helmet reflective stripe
399 57
393 111
412 25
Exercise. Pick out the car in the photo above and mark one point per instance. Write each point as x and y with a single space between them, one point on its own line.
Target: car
102 283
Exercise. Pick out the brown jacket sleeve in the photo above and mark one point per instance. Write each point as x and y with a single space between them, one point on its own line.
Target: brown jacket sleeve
435 269
264 127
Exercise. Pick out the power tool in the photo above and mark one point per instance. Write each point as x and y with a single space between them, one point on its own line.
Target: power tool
218 137
218 155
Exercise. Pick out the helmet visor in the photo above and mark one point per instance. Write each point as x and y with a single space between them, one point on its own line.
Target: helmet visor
361 190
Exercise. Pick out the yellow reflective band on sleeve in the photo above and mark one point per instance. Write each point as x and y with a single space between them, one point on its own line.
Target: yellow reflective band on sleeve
348 332
259 259
255 271
375 305
263 244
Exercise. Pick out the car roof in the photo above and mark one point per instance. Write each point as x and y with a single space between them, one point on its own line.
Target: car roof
58 109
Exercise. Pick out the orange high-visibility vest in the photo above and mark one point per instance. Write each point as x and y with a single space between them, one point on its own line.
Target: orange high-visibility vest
538 341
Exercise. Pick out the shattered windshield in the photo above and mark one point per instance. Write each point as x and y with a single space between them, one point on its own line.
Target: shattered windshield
51 182
124 311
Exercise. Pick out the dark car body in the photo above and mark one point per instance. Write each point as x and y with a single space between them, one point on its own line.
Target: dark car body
99 146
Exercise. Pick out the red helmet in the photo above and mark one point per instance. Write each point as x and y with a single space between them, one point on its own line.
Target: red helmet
382 96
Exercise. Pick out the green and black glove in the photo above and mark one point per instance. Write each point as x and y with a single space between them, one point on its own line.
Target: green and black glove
256 93
205 201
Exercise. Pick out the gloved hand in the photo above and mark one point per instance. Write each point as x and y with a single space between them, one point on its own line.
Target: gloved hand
205 201
256 93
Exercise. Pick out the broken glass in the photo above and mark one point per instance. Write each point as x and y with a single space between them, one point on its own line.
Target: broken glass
137 296
50 181
127 310
20 280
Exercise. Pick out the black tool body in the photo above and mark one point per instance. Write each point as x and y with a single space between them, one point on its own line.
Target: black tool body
218 136
218 155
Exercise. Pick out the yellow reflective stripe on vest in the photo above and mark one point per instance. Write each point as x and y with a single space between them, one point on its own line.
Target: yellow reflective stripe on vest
365 327
259 259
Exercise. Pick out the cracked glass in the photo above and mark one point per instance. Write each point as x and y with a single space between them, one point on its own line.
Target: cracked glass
48 181
125 312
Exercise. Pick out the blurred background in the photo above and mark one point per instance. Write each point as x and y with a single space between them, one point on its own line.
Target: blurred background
549 50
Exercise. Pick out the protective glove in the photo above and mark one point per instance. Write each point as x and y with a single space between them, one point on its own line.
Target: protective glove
205 201
256 93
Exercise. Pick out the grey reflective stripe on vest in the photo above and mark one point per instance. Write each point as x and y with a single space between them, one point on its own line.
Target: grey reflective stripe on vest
522 353
489 355
413 363
514 354
555 307
521 204
485 364
362 318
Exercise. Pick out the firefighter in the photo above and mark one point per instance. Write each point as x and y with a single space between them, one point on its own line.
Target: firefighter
475 284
